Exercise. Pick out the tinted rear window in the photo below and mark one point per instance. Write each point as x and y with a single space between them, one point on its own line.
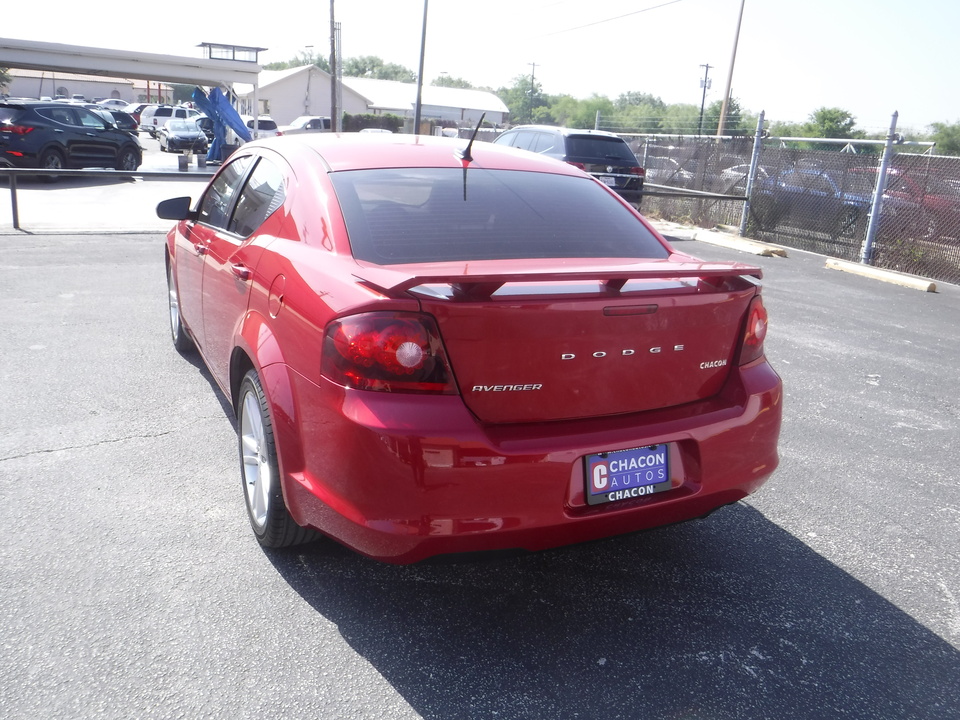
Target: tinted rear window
592 147
422 215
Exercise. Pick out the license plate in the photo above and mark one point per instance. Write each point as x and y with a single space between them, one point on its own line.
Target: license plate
608 180
626 474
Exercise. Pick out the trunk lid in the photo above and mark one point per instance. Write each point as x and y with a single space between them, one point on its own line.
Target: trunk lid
544 347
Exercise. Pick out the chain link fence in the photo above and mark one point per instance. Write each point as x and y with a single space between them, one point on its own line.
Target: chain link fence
813 199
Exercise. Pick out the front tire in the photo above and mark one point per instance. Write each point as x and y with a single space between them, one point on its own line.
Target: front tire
51 160
128 159
260 471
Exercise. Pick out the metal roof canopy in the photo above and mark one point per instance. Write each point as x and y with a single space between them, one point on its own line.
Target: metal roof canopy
56 57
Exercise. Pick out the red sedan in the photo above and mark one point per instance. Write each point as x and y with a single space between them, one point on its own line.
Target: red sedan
439 348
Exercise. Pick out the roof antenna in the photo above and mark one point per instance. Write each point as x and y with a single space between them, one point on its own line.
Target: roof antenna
466 157
464 154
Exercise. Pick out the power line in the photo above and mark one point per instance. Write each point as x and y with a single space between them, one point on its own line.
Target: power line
619 17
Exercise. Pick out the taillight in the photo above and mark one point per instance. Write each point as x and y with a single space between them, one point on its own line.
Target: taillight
16 129
756 330
638 171
577 165
387 352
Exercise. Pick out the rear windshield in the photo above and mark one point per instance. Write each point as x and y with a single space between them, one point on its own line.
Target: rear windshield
587 148
264 125
440 214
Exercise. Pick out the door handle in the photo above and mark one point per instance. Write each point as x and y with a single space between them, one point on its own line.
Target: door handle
201 249
241 271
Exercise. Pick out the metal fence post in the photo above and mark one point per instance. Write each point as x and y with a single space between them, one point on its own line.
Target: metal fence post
754 162
15 211
866 253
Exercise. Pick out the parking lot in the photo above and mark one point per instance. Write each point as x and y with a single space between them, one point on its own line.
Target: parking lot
134 588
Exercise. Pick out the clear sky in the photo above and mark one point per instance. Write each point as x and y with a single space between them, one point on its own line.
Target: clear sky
869 57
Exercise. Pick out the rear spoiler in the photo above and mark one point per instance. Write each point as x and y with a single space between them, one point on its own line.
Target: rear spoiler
396 282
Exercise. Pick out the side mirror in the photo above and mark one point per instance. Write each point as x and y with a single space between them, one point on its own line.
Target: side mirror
175 209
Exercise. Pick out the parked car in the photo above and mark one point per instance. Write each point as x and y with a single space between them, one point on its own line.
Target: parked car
306 123
668 171
837 203
57 135
135 109
113 104
433 348
206 126
182 136
604 155
266 127
936 201
153 117
734 179
121 119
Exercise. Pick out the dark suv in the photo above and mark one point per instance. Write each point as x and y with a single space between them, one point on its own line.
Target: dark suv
604 155
55 135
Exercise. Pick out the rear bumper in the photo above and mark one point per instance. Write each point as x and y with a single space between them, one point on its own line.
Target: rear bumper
402 478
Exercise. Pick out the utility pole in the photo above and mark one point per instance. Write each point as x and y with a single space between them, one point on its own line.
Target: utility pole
733 59
705 84
533 86
423 52
334 110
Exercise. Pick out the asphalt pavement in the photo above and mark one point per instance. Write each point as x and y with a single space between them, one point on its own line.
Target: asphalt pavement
133 587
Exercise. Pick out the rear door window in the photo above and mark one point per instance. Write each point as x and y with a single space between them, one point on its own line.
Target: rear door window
64 115
262 194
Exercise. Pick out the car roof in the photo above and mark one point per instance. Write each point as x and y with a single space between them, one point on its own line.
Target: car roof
567 132
39 103
365 151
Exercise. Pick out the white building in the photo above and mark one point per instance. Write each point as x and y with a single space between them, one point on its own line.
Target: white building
287 94
51 83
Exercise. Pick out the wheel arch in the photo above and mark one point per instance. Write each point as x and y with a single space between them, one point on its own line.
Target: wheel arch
257 349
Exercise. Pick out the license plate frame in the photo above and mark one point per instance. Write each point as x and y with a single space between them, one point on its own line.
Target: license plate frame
608 180
619 475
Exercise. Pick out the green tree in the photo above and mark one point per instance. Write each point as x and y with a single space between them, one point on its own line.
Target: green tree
947 138
831 123
783 129
734 123
570 112
639 99
447 81
641 118
524 99
304 57
373 67
681 119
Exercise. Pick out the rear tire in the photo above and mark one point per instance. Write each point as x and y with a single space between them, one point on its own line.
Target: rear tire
181 338
260 471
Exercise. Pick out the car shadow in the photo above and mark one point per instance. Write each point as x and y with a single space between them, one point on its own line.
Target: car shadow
730 617
62 182
193 357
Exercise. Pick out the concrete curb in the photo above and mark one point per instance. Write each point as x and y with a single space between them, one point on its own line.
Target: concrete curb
720 237
891 276
723 238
